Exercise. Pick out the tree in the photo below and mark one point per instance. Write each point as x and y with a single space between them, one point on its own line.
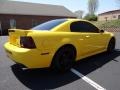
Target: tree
79 14
92 6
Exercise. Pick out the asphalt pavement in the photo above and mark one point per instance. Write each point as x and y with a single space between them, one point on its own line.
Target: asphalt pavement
101 71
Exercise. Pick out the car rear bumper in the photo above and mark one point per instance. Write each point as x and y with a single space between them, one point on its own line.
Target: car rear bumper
31 58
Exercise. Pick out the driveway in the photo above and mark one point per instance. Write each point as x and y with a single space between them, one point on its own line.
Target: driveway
96 72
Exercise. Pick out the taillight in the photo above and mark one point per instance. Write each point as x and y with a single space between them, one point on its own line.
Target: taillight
27 42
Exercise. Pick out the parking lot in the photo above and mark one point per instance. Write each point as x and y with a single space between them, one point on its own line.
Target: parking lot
97 72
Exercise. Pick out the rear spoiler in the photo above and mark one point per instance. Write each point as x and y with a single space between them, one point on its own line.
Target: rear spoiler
13 30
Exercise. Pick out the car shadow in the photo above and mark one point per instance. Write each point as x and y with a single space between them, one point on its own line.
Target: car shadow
95 62
40 79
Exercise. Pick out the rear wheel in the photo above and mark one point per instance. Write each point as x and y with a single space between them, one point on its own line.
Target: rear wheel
111 45
64 58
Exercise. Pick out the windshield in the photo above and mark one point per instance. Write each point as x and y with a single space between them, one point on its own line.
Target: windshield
49 25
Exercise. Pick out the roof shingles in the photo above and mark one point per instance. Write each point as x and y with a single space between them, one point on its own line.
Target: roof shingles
25 8
110 12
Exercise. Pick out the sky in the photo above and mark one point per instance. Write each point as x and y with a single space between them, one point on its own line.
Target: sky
74 5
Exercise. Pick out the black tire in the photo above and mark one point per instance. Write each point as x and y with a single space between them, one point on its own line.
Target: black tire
64 58
111 45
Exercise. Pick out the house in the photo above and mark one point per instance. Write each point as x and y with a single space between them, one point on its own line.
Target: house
110 15
24 15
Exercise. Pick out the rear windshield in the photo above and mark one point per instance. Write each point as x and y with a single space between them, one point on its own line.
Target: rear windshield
49 25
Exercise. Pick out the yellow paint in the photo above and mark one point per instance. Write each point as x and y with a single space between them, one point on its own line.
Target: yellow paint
86 44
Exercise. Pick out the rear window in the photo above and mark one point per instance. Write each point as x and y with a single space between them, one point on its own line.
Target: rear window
49 25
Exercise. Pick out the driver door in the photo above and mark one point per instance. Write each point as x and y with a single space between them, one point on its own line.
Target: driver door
90 40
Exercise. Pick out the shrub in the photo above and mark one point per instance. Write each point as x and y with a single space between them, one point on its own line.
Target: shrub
91 17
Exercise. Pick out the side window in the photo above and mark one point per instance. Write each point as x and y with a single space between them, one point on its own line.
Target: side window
12 23
82 26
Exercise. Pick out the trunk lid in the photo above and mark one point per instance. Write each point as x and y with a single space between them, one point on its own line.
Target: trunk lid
15 34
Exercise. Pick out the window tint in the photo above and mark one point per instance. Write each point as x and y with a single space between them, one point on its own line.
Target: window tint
82 26
49 25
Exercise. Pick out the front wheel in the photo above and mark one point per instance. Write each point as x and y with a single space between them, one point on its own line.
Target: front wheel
64 58
111 45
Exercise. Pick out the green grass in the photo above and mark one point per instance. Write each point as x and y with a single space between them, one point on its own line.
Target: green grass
108 24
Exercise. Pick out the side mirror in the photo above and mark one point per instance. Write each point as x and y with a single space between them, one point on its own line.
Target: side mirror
101 31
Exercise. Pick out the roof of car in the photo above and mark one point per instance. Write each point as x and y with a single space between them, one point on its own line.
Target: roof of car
73 19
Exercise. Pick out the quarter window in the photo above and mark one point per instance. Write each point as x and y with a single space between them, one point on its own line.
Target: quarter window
49 25
82 26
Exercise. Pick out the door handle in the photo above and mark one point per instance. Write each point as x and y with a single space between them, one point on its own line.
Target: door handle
87 36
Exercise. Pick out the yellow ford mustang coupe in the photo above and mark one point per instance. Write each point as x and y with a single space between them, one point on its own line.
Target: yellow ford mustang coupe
57 43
